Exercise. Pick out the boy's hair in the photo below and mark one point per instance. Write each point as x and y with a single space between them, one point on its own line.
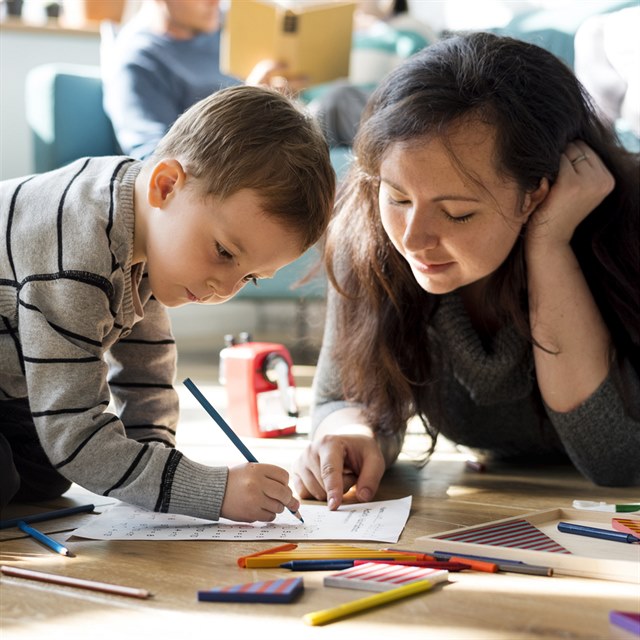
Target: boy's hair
247 137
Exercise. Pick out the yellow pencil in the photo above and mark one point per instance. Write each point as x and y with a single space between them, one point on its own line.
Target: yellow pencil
276 559
329 615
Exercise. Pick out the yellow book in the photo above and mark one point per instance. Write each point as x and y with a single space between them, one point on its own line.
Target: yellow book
313 38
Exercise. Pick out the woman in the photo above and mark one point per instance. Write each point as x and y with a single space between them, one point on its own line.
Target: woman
484 262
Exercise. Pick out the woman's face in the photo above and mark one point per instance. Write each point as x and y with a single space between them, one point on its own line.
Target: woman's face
453 219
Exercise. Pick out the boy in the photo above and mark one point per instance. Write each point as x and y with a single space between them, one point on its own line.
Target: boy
92 254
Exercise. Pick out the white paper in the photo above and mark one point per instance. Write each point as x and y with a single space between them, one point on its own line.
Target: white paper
374 521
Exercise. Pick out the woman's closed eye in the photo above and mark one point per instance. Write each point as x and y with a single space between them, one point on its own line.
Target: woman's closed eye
251 278
459 219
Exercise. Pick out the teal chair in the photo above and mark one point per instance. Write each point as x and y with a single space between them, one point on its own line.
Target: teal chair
65 115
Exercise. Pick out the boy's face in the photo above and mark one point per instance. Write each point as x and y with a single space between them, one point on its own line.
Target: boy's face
206 250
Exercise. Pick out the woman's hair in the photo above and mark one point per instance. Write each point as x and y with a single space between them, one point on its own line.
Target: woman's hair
247 137
537 106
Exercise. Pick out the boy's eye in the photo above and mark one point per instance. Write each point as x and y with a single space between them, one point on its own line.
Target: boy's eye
250 278
222 252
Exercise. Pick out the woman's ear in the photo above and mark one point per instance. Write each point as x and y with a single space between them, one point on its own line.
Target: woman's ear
166 177
533 199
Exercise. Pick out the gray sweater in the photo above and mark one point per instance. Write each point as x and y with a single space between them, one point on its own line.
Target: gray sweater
79 328
490 401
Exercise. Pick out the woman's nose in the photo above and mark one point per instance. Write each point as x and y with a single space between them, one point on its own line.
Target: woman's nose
419 232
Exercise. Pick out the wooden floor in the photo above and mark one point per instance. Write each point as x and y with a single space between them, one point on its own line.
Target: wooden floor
446 495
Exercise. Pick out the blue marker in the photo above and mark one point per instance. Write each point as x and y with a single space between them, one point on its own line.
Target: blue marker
592 532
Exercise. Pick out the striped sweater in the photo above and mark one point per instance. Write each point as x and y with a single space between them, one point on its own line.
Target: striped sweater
81 333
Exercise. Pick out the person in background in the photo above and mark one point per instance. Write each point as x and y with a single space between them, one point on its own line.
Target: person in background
94 253
485 272
162 61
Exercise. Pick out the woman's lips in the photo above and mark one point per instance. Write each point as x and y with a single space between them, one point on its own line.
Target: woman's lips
431 268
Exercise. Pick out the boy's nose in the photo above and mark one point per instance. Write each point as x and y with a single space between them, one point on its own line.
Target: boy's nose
226 288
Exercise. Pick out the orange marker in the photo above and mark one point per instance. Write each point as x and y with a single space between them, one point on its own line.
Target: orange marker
476 565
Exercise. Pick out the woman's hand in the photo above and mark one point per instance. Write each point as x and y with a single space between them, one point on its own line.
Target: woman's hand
334 463
583 183
257 492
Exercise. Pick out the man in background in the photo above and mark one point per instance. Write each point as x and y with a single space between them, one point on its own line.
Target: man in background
165 59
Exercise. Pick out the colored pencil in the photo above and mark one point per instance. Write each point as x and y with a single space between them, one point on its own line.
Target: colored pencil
511 566
277 559
593 532
222 423
54 545
428 564
318 565
48 515
290 546
92 585
335 613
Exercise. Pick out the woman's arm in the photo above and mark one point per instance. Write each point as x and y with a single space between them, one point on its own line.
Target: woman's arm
565 321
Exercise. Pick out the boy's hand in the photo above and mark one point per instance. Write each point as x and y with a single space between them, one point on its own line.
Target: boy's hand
257 492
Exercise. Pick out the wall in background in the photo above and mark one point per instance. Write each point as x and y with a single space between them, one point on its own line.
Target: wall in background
21 49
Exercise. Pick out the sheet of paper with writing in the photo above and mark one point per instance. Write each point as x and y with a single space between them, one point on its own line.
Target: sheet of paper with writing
373 521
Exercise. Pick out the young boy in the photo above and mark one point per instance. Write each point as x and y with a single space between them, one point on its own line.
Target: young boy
91 255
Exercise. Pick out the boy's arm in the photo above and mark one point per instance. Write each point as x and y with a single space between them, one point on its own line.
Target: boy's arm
66 376
142 369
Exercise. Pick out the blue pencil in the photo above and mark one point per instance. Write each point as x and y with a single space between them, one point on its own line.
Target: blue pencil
222 423
593 532
48 515
44 539
317 565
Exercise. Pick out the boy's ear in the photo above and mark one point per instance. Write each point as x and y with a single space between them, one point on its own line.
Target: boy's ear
533 199
166 176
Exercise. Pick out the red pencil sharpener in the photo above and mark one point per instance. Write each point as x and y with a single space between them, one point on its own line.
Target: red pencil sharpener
260 389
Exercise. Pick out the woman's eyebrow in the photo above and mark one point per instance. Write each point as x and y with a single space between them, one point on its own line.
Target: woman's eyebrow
440 198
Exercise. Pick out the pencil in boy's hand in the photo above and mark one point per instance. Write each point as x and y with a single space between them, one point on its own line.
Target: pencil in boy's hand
222 423
45 539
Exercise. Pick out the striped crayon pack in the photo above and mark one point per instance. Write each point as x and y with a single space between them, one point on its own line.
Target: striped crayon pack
518 534
626 525
382 577
271 591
